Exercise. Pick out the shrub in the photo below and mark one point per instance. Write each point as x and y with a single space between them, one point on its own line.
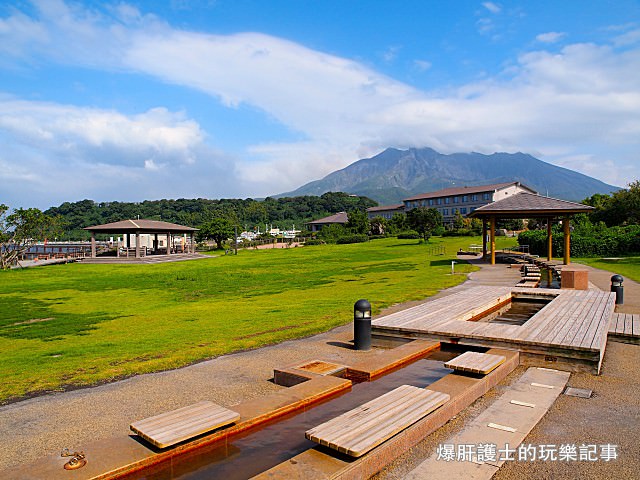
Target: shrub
460 232
408 235
355 238
312 242
376 237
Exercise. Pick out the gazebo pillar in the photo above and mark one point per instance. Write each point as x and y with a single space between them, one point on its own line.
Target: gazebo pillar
93 244
549 240
137 244
566 226
492 237
484 238
191 244
168 243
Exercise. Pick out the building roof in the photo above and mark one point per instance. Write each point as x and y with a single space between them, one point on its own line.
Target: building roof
447 192
384 208
340 217
530 205
154 226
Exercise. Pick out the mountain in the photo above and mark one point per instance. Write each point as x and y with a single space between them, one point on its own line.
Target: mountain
396 174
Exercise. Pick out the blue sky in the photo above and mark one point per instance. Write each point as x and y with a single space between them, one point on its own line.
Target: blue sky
216 98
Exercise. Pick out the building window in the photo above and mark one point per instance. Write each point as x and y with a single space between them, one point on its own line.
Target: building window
446 200
439 201
465 198
431 202
463 210
456 199
446 211
474 197
486 196
473 208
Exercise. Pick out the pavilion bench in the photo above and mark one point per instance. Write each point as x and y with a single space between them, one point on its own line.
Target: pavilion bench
367 426
176 426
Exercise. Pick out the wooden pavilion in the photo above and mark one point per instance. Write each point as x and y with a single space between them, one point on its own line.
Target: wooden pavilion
138 227
528 205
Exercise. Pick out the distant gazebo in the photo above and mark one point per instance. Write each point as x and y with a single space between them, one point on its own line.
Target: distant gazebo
138 227
528 205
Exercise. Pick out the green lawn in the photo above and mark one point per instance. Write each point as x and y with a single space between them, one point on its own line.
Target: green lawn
75 324
628 267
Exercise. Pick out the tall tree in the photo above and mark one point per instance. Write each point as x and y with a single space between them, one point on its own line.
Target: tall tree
358 222
424 220
21 229
217 229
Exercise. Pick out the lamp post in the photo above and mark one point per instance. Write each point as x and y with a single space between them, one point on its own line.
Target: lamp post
362 325
617 288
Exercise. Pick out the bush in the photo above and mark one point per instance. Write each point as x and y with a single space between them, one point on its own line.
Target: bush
438 231
312 242
355 238
598 241
460 232
376 237
409 235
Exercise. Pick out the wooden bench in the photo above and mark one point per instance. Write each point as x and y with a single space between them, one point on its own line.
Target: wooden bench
367 426
474 362
184 423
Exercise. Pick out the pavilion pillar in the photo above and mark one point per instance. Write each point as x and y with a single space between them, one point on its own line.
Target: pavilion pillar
492 237
566 226
137 244
93 244
155 243
168 243
191 244
484 238
117 246
549 240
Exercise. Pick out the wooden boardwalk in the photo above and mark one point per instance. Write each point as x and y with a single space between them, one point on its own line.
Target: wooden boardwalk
625 327
573 325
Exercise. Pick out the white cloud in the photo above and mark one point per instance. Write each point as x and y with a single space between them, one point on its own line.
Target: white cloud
112 136
492 7
550 37
422 65
629 38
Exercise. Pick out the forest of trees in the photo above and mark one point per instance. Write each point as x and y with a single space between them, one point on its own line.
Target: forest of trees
249 213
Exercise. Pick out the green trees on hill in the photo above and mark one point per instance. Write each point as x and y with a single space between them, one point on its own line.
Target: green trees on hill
281 212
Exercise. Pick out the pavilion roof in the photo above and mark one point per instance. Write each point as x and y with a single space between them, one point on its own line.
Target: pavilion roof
524 205
153 226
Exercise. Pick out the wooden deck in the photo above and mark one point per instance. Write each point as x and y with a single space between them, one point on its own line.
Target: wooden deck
625 327
367 426
184 423
574 325
474 362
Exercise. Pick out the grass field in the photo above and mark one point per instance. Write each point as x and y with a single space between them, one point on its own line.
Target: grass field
628 267
70 325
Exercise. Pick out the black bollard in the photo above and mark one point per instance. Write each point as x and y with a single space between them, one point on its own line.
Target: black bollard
617 288
362 325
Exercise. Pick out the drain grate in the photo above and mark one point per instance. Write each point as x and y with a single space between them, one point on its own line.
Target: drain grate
578 392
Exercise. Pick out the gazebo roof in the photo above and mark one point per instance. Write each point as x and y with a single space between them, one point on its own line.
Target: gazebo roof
153 226
523 205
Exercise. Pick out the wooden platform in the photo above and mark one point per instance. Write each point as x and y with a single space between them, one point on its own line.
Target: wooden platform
625 327
184 423
362 429
475 362
573 327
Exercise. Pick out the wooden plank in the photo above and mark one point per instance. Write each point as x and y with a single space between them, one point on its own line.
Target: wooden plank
628 325
580 312
475 362
635 324
367 426
600 320
183 423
